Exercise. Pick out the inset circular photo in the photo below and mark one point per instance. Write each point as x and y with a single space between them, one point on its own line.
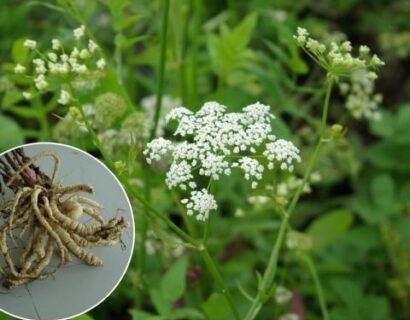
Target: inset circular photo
66 232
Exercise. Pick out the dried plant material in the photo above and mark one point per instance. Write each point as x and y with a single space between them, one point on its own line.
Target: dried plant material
49 214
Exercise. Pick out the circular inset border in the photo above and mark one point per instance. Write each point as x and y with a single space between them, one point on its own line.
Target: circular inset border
86 157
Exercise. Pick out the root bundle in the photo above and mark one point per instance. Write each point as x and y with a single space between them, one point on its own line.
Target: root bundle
44 216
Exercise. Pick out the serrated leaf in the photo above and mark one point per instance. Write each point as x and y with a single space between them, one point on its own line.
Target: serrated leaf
329 227
173 284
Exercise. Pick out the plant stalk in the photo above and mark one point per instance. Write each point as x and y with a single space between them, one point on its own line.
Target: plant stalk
270 272
161 67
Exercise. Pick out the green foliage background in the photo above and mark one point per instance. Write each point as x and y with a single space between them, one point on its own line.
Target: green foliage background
239 52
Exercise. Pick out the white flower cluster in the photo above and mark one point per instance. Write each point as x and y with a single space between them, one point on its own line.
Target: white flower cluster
218 142
200 202
337 59
61 63
361 100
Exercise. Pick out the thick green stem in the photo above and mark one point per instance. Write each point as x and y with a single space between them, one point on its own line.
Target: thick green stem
318 285
270 272
213 270
161 67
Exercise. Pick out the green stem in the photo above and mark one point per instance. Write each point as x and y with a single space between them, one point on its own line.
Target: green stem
319 144
270 272
195 48
161 67
318 285
213 270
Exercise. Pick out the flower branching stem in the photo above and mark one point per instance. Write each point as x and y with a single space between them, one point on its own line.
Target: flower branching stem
202 249
270 272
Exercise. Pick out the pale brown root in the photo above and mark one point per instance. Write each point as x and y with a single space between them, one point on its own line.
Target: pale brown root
71 224
39 244
79 252
16 201
94 214
47 208
87 201
29 244
74 188
46 225
43 262
72 209
5 252
38 156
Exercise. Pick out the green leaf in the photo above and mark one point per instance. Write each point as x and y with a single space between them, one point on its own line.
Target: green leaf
390 155
383 193
19 52
185 313
228 50
142 315
329 227
173 284
10 134
216 307
162 305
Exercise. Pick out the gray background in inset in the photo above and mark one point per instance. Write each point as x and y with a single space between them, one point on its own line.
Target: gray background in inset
76 287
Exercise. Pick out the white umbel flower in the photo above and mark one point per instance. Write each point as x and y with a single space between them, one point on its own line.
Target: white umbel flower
19 69
55 44
218 142
79 32
101 64
65 97
30 44
200 204
27 95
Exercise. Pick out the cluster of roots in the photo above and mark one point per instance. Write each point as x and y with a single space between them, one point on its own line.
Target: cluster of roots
44 217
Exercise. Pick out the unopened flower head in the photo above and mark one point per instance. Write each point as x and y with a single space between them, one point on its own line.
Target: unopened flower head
337 58
361 100
282 295
218 142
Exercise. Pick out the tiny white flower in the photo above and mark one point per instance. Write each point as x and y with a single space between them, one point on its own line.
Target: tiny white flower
27 95
65 97
40 82
92 46
55 44
19 69
79 32
52 56
30 44
84 54
101 64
